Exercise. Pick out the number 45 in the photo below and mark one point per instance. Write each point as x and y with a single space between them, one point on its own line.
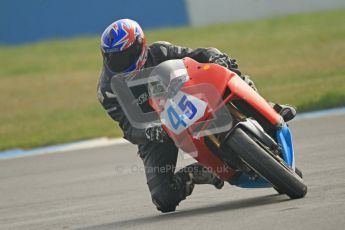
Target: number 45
185 106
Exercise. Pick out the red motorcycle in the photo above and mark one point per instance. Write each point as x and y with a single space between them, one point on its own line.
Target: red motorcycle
214 116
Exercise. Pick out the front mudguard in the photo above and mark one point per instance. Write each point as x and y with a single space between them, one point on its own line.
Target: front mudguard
284 138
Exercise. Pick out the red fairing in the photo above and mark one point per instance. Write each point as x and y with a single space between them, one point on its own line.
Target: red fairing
211 74
240 89
222 78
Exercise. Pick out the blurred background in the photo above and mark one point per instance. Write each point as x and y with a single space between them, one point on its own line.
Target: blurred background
50 59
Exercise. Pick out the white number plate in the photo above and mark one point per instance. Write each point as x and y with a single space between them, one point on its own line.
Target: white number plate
182 111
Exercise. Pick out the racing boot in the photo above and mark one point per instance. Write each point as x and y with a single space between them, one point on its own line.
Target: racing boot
203 176
288 112
197 174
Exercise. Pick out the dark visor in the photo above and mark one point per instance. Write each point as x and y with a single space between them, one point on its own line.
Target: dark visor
120 61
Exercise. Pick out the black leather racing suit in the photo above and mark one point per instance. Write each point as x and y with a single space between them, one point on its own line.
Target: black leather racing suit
167 189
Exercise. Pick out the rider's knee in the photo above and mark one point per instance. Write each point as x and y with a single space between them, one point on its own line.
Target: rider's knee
166 196
163 205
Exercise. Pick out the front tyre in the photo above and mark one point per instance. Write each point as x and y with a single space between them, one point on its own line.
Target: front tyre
262 162
298 172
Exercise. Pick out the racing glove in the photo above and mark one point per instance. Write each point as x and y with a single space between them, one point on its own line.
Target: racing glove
156 134
225 61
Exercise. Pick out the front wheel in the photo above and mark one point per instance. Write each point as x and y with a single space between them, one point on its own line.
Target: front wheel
263 163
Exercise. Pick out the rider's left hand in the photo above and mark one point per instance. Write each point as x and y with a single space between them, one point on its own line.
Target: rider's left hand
221 59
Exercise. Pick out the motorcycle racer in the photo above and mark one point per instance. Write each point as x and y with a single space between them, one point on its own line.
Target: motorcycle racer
124 49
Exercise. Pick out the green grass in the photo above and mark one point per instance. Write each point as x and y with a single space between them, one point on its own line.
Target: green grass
48 90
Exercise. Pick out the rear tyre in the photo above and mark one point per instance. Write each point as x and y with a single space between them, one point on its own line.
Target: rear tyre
262 162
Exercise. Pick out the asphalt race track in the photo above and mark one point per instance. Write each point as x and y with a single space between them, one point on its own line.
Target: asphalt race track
105 188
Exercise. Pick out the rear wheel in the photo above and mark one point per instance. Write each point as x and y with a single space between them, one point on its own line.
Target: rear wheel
264 163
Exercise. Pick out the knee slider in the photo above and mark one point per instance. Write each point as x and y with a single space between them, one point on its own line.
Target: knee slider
162 206
166 196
